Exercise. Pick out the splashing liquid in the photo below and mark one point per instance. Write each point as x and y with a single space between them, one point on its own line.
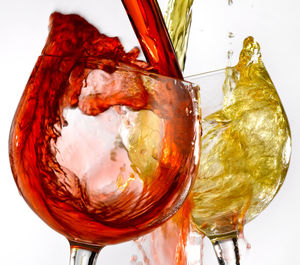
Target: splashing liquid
172 242
245 149
82 150
178 19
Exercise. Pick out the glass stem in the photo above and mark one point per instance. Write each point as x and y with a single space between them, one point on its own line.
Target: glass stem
83 256
227 251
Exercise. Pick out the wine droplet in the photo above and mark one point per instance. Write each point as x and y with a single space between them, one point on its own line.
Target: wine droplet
230 49
244 241
202 248
134 259
229 57
230 35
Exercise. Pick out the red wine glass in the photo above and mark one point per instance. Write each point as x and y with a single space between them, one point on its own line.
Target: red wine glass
102 151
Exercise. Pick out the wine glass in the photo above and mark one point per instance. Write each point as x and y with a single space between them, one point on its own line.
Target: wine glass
100 151
245 152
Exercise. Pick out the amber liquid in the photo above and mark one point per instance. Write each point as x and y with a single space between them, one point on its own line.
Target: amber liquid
99 150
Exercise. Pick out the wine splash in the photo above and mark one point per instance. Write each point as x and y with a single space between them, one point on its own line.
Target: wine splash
172 242
82 150
245 149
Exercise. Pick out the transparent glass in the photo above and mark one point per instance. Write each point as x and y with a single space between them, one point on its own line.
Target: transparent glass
245 152
100 151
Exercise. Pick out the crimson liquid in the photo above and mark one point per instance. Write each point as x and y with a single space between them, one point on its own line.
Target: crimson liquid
100 149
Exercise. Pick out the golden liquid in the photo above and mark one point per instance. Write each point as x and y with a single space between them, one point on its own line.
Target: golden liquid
245 149
178 20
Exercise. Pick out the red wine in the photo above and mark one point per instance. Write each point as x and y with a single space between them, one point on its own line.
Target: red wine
149 26
100 149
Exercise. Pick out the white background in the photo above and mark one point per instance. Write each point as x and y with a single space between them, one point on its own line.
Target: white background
26 240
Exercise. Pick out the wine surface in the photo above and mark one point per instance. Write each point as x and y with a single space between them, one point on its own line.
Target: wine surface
99 147
245 149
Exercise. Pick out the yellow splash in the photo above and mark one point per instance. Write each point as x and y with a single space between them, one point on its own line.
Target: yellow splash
245 149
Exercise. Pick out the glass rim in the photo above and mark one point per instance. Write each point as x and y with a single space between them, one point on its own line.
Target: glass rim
206 74
124 66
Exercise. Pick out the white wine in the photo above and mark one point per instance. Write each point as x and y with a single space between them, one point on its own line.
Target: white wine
178 20
245 150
